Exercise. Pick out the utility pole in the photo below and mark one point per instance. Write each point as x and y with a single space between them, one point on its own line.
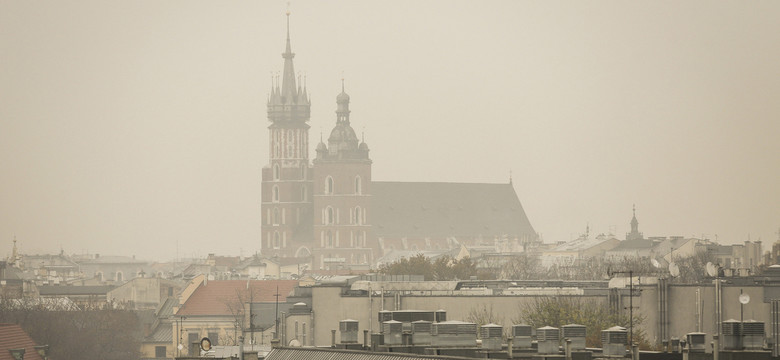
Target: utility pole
276 330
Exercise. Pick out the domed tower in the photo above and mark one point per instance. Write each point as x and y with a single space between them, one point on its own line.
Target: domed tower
342 188
286 180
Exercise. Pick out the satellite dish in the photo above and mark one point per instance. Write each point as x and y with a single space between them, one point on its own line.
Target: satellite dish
655 263
712 270
674 270
744 299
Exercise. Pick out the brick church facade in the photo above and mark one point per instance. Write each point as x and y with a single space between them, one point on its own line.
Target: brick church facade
331 212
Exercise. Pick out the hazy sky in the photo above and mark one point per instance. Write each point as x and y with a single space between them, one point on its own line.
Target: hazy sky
126 127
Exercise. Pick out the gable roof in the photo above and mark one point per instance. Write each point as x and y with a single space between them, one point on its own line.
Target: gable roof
418 209
13 337
215 297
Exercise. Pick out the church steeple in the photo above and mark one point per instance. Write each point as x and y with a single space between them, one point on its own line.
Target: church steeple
634 234
289 91
342 108
288 101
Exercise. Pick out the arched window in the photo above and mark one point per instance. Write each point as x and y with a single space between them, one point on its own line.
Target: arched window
360 239
329 239
119 276
275 194
99 276
276 216
329 185
358 216
276 171
277 241
329 218
358 185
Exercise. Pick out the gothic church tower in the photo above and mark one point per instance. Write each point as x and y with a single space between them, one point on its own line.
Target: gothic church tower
286 180
342 188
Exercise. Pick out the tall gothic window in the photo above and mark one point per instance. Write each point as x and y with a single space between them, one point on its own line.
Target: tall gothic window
329 218
358 185
358 216
329 185
277 241
276 216
303 193
276 171
275 194
329 239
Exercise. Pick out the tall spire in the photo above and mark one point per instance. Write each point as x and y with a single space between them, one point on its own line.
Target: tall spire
289 91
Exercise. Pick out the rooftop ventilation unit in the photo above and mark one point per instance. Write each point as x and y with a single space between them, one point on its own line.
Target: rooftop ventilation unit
754 335
614 341
548 339
732 334
575 333
349 331
440 315
522 336
454 333
421 332
385 315
492 335
696 342
392 330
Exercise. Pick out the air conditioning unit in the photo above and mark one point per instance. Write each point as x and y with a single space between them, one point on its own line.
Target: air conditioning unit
385 315
732 334
522 336
454 333
548 340
491 334
575 333
696 341
753 332
614 341
421 332
392 331
349 331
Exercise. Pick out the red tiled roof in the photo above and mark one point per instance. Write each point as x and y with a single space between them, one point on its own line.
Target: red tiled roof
13 337
216 297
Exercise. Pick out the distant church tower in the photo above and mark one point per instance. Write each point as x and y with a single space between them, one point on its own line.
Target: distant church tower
342 188
286 181
634 234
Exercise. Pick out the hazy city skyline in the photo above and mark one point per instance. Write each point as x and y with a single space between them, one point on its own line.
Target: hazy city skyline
129 127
